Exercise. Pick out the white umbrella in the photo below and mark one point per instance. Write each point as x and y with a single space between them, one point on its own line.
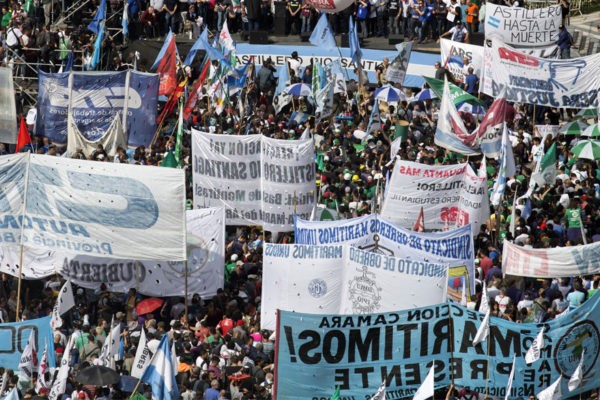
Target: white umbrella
299 89
389 94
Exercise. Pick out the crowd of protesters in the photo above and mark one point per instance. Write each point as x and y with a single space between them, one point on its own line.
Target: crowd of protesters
222 352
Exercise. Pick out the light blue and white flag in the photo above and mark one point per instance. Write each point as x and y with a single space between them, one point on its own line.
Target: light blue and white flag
374 121
125 21
322 35
97 47
160 374
507 169
282 78
355 51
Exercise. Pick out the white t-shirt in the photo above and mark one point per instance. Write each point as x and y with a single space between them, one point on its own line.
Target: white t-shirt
12 37
296 66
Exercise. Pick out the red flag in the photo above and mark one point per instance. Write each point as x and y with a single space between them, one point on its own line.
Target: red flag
24 139
420 224
167 68
173 101
195 93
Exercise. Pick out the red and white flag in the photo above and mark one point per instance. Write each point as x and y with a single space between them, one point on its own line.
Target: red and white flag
420 224
167 69
29 361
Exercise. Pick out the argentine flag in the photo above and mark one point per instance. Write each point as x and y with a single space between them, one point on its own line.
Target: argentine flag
160 374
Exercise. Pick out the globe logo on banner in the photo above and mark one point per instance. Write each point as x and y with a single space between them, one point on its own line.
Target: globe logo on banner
567 354
317 288
198 256
365 295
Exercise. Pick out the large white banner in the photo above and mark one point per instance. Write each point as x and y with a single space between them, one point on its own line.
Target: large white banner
551 263
521 26
375 233
435 188
571 83
205 254
8 109
259 181
452 54
335 279
91 208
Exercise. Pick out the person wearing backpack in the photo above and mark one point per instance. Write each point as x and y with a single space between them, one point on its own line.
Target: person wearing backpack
564 42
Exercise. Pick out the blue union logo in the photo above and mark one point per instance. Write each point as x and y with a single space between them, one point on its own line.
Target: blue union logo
317 288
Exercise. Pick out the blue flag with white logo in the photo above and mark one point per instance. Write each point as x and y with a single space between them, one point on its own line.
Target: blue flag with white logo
322 36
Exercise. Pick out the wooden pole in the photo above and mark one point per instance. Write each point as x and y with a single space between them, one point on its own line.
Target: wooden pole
19 284
185 283
487 369
135 389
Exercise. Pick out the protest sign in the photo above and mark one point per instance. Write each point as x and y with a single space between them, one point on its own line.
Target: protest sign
520 26
551 263
396 71
452 54
257 180
8 109
436 188
316 353
205 254
571 83
474 204
545 130
371 233
14 337
90 208
336 279
94 99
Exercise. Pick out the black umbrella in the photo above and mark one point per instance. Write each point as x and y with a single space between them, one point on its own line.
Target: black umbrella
98 375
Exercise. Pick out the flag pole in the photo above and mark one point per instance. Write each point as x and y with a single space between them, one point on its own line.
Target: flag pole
185 283
21 239
487 369
137 385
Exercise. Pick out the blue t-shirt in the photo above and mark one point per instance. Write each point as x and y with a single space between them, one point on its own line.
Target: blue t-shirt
211 394
463 13
470 83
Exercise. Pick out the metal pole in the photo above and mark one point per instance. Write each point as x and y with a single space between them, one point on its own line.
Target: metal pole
185 283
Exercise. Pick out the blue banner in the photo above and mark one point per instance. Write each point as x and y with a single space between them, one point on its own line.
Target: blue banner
96 98
14 337
420 63
316 353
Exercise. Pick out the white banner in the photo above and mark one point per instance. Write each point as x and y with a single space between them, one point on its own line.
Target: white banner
259 181
375 233
8 109
551 263
521 26
335 279
452 54
205 254
571 83
545 130
91 208
436 188
474 204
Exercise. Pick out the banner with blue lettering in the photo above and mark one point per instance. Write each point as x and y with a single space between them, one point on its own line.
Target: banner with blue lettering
96 97
568 83
342 279
374 233
316 353
90 208
14 337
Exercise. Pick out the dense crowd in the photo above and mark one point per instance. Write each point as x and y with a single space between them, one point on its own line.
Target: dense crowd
222 352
